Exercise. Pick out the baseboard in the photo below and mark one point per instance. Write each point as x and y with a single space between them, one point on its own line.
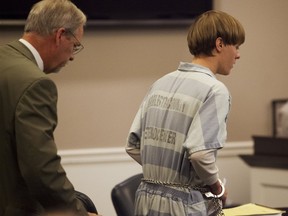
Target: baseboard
118 154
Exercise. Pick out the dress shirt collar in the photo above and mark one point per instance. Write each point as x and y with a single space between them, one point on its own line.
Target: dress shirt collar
34 52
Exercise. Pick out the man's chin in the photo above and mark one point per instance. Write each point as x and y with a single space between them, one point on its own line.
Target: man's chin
57 70
54 70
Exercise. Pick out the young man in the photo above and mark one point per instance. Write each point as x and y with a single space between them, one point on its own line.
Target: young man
33 181
182 123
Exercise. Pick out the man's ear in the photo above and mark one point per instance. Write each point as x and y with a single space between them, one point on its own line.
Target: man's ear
219 44
59 33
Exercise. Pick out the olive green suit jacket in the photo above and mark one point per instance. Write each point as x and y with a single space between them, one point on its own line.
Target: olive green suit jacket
32 178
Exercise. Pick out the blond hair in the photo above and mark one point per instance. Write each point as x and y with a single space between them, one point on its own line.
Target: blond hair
211 25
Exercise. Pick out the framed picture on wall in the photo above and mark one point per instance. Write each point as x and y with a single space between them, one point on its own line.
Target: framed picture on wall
280 117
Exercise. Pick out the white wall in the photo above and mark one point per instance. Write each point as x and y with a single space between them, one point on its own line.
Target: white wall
100 91
96 171
269 186
261 74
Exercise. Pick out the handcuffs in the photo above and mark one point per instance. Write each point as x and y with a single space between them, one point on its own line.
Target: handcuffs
211 195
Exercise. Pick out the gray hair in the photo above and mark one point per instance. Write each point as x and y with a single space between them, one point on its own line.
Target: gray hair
48 15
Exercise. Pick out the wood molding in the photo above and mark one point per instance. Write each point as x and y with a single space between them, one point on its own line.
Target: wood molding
118 154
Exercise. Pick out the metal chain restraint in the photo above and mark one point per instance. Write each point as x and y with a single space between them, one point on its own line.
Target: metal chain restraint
202 190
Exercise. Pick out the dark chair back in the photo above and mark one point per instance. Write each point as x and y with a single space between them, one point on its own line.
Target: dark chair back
87 202
123 195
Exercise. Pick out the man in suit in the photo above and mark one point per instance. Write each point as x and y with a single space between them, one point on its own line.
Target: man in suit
32 181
